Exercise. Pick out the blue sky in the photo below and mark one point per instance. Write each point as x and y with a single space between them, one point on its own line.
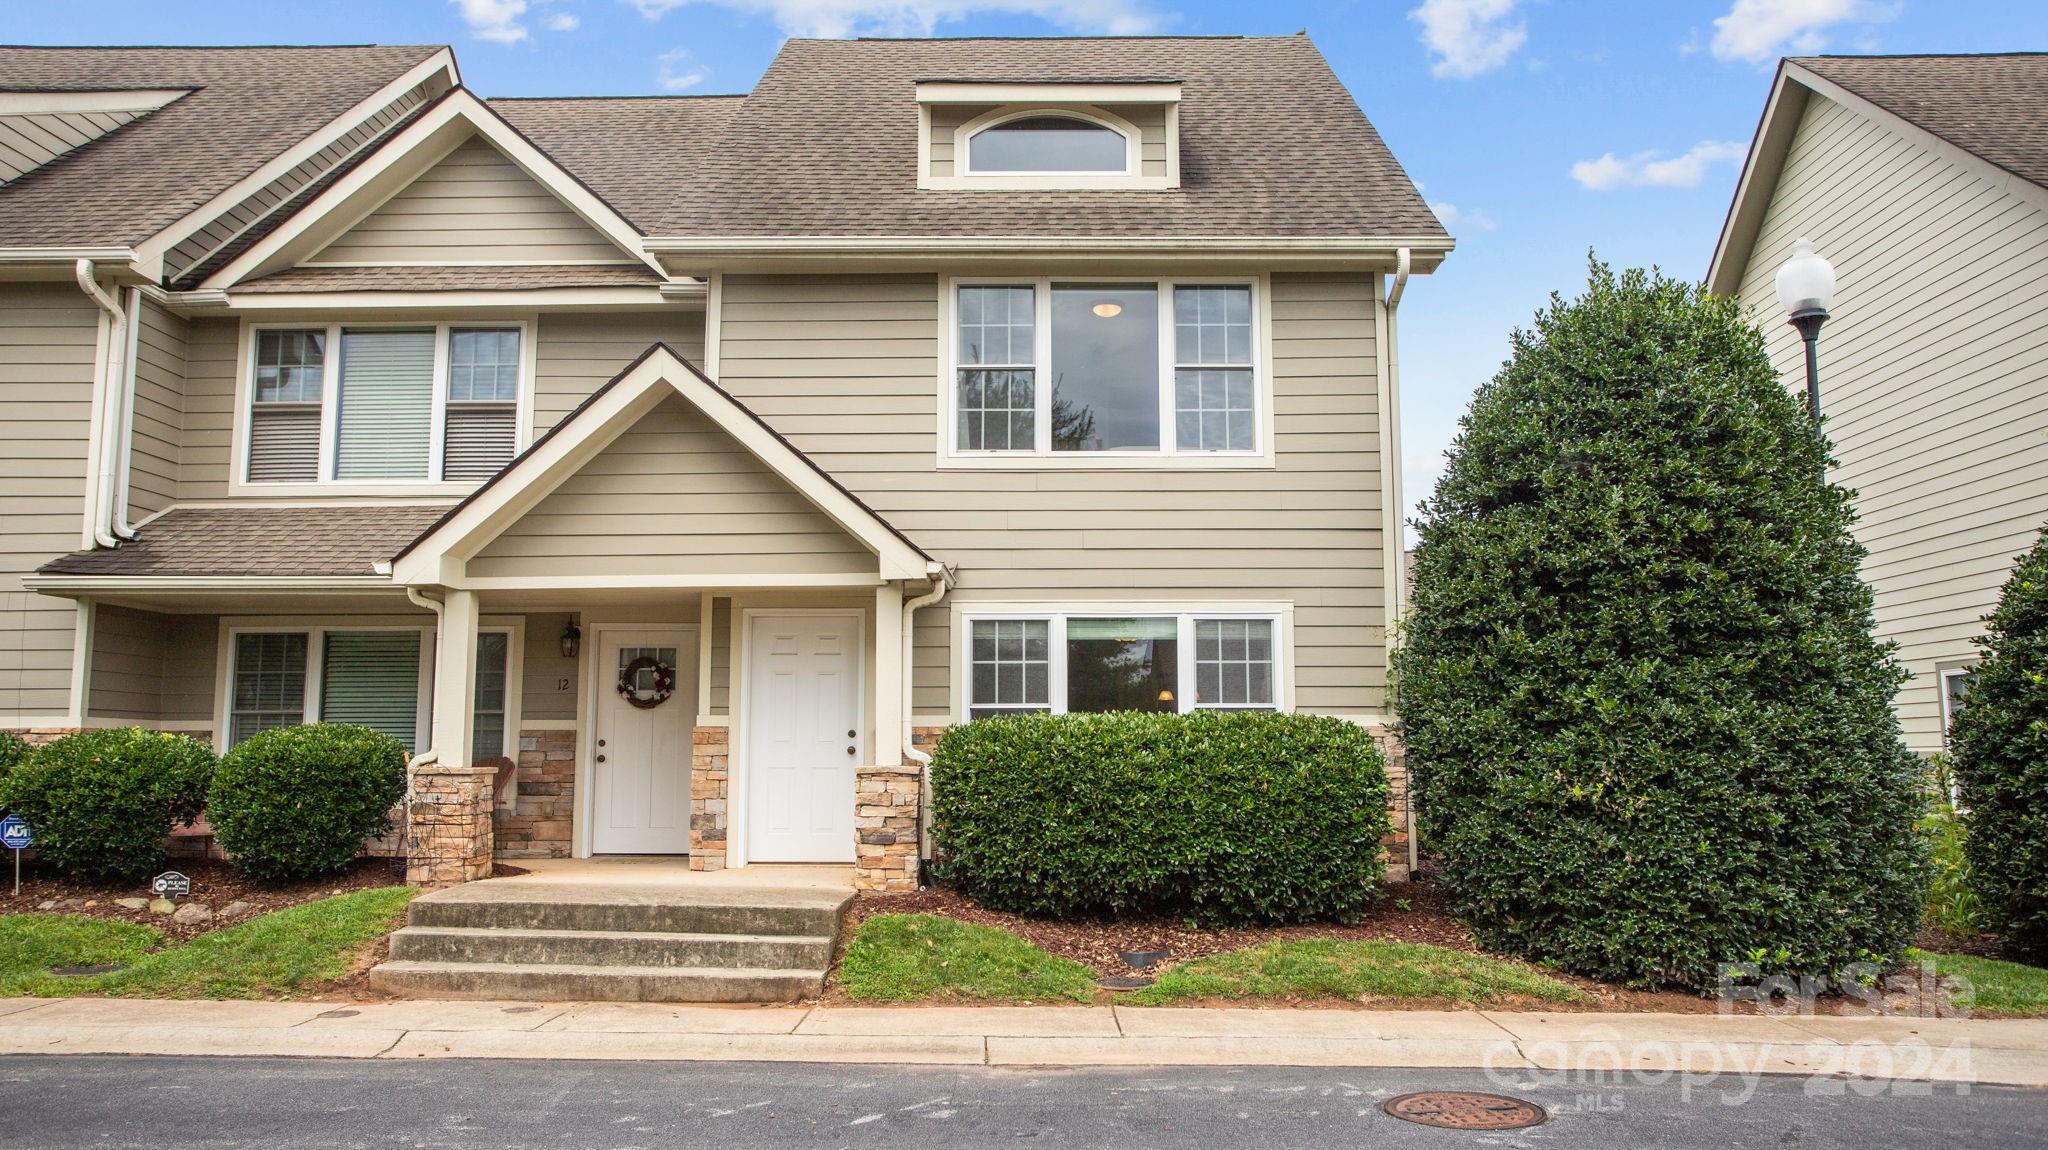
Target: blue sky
1539 128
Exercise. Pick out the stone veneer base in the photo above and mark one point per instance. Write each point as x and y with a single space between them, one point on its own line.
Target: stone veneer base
540 822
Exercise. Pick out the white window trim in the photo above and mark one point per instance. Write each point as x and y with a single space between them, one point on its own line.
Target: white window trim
514 630
1043 457
1941 677
316 631
245 390
1281 615
1086 102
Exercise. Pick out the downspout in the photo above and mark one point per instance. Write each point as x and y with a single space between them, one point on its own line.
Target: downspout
106 382
942 581
125 412
1396 576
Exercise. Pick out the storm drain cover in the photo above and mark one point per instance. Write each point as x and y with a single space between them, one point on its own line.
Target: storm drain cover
1465 1110
82 971
1124 982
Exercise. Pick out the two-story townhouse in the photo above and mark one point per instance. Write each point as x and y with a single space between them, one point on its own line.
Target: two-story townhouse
1924 180
707 455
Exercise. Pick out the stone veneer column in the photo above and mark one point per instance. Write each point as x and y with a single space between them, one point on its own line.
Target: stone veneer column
448 824
539 825
885 816
1395 845
709 758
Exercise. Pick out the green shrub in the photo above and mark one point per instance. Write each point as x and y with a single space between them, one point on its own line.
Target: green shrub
1649 726
1214 816
2000 741
299 801
13 750
102 802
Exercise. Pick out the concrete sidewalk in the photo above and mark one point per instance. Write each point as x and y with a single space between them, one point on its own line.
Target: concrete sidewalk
2010 1052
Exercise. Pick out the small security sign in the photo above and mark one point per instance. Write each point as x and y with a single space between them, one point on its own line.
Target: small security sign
171 884
15 836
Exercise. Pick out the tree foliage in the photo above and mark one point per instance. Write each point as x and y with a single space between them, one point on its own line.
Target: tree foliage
1648 721
2000 742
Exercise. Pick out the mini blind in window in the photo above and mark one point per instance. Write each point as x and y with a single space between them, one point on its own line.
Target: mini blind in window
284 443
372 678
488 730
479 440
270 683
387 401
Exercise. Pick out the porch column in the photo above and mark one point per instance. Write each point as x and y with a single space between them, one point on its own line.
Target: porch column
889 701
454 673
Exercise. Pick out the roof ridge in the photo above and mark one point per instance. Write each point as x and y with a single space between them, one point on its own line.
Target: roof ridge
1039 39
208 47
1916 55
643 96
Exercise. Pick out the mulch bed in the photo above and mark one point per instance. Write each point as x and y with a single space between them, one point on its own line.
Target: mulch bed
1411 912
214 883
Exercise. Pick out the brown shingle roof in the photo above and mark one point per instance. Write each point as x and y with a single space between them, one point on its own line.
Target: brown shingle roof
633 151
1271 145
453 278
247 106
1993 105
281 541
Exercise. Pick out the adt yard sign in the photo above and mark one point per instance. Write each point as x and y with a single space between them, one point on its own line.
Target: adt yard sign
15 836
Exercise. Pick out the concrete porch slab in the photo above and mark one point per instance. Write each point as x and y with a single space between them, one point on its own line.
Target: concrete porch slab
668 871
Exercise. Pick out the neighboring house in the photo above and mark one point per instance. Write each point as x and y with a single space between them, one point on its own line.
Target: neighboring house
932 379
1924 179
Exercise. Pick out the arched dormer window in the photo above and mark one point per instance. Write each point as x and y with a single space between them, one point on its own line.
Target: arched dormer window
1048 142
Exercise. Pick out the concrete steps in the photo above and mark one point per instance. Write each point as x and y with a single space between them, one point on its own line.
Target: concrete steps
651 942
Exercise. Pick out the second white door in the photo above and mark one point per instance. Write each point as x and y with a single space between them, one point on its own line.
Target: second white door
803 736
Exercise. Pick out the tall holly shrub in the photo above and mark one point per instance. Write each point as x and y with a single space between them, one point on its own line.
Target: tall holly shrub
1649 726
2000 743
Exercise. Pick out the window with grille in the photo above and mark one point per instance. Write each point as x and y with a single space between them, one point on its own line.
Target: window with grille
269 683
487 732
483 402
284 407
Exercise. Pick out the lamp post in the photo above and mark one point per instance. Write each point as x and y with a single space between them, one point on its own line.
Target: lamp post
1806 290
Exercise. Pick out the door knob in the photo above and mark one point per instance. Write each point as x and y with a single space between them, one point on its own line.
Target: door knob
851 735
600 742
600 758
851 751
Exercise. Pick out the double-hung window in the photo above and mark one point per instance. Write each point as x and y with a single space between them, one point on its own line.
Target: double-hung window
1104 371
377 677
383 404
1078 661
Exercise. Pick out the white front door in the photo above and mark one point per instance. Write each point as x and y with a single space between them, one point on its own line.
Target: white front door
640 756
803 736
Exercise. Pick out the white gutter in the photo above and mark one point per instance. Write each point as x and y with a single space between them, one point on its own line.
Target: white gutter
1395 551
978 245
107 375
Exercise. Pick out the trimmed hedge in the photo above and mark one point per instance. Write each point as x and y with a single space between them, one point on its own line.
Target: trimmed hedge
1648 724
101 803
13 750
2000 741
1218 817
299 801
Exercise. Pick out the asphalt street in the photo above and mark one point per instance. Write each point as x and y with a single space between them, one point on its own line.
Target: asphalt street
107 1103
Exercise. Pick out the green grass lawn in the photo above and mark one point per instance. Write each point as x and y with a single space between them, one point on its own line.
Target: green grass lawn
906 957
1321 968
274 955
1996 987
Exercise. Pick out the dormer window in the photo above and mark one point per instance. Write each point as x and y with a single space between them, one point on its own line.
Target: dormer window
1050 142
1003 136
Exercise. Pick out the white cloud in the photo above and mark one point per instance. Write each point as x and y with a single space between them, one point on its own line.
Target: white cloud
679 71
1646 170
1454 216
1762 30
1469 37
564 22
494 20
833 19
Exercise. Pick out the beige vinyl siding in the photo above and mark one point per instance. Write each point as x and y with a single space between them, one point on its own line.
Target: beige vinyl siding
127 680
1150 120
577 354
260 203
1934 374
208 441
159 423
847 368
191 650
475 205
721 655
548 692
28 140
674 495
48 333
